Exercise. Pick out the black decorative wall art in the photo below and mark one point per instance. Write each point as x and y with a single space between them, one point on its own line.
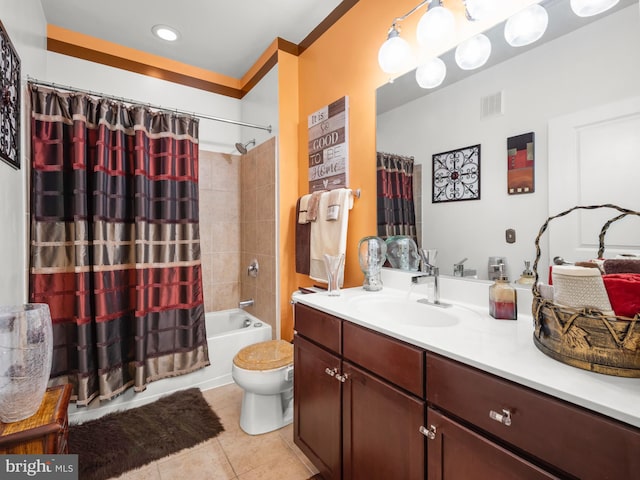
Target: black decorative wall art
456 175
9 101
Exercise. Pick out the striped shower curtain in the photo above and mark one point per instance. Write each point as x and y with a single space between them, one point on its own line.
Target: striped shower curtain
396 210
115 244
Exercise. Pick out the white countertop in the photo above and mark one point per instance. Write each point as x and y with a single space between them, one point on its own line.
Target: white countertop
502 347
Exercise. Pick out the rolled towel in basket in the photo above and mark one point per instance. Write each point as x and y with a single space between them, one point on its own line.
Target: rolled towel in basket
580 287
624 293
621 265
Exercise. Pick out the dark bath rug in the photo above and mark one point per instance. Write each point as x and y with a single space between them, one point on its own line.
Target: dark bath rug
123 441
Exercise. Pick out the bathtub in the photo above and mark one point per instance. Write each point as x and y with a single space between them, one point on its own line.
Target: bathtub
228 331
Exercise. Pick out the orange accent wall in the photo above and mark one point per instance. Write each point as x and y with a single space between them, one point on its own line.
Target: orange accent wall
343 61
288 174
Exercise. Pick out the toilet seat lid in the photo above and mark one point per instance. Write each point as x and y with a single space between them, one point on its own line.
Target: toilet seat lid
265 355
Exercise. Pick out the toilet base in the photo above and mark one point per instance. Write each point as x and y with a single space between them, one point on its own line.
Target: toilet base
266 413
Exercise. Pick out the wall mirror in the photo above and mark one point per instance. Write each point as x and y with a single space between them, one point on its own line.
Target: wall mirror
577 90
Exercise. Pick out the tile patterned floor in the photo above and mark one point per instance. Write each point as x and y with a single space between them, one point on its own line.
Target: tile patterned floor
232 455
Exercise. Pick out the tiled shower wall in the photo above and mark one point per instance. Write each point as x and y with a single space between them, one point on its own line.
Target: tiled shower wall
258 230
219 190
237 225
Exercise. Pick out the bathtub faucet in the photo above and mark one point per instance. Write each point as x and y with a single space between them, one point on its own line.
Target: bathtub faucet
246 303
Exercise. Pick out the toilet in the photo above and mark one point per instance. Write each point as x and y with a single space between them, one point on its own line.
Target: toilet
265 372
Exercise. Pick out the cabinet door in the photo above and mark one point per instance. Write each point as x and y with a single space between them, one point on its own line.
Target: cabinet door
381 437
457 453
316 405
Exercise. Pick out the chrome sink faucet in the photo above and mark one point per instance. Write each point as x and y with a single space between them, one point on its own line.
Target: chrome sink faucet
430 272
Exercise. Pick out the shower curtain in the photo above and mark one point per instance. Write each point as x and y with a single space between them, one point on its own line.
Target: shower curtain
396 210
115 244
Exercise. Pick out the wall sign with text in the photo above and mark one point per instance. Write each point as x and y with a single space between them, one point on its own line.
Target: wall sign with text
329 147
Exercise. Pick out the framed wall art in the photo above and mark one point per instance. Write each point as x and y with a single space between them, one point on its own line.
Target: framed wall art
520 164
329 146
456 175
9 101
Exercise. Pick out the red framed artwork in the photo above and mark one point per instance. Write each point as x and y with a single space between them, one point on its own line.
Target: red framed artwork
520 164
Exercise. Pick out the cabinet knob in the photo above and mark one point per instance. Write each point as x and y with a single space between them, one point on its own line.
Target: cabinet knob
504 417
342 378
331 372
430 433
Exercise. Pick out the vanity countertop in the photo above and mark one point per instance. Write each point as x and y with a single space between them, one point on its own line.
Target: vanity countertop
502 347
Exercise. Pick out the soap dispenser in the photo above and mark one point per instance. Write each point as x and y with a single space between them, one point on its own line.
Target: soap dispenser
527 277
503 303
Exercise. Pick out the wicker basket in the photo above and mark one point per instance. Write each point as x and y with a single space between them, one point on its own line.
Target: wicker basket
586 338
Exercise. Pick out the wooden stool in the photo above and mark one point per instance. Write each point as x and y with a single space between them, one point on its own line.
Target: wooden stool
45 432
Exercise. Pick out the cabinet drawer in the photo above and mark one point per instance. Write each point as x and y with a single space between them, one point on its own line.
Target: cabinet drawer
558 434
456 452
395 361
322 328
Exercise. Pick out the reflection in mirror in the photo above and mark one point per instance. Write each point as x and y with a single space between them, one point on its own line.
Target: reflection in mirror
580 64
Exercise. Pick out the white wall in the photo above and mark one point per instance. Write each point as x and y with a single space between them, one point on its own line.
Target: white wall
596 64
25 23
260 107
214 136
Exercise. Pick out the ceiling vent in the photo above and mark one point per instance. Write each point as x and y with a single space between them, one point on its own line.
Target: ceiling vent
491 105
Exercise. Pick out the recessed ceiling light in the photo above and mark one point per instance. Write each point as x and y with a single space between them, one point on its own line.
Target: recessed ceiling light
165 33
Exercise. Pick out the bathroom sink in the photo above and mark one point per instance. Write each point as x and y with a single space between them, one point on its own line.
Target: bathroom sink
405 311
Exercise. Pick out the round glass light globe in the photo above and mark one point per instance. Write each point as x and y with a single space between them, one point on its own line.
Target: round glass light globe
431 74
589 8
474 52
435 25
526 26
394 55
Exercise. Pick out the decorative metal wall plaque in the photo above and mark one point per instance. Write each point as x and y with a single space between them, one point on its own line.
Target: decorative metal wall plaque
456 175
9 101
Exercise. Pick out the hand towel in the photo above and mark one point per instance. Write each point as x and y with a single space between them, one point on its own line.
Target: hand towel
333 208
303 237
302 207
624 293
314 205
329 236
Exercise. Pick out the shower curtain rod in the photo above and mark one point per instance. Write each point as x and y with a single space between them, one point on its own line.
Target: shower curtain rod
157 107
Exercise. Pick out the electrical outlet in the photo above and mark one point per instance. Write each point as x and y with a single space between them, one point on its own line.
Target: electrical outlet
510 235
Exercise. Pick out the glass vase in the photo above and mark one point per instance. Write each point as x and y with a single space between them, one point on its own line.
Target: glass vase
333 264
26 349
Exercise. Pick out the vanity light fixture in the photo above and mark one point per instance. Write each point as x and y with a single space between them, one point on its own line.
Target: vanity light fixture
522 28
526 26
165 32
474 52
395 54
431 74
589 8
436 25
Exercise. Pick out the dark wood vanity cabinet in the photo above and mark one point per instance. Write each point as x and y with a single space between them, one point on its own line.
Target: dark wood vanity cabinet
356 414
457 453
559 437
368 406
317 393
380 429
